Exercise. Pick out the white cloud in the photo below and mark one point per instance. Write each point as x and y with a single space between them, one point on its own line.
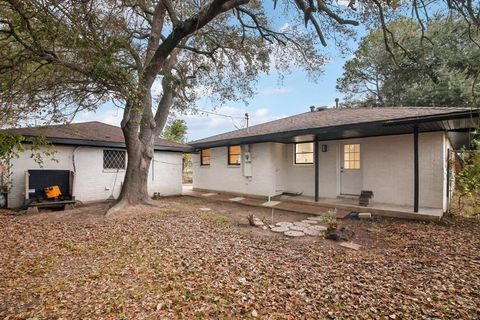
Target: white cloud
268 91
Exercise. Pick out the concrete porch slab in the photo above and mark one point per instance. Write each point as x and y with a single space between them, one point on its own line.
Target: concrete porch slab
303 204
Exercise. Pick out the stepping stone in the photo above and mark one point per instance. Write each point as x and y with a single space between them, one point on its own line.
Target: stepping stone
318 228
301 224
237 199
293 233
284 224
297 228
204 209
280 229
311 232
350 245
270 203
310 221
209 194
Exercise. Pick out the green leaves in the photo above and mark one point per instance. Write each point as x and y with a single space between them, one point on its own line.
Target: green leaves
439 68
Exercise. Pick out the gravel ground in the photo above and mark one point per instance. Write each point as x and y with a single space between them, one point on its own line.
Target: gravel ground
175 261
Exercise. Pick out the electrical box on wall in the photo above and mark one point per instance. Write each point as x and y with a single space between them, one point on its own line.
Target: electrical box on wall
247 157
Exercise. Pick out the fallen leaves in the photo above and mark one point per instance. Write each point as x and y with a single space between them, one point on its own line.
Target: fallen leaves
185 263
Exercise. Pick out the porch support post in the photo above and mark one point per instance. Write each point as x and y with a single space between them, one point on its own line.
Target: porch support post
416 169
317 167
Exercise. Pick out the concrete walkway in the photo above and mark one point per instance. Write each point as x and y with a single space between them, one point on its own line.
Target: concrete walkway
306 205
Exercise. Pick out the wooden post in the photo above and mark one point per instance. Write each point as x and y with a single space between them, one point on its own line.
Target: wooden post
416 169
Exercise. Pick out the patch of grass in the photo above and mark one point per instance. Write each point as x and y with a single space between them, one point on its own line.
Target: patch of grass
192 201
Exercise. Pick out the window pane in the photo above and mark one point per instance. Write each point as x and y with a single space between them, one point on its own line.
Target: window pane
235 150
351 156
304 158
114 159
205 157
304 147
234 159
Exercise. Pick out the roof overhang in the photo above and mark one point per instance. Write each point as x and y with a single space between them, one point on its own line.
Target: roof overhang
457 121
109 144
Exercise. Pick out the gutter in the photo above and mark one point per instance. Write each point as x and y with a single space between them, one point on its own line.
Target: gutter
378 125
467 114
92 143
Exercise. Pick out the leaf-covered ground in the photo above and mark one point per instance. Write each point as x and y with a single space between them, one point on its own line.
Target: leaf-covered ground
176 261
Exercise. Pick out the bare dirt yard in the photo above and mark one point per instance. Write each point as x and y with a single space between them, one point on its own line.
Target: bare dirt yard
177 261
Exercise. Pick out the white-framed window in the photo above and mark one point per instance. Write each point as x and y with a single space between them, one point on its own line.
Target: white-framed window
304 153
114 159
351 156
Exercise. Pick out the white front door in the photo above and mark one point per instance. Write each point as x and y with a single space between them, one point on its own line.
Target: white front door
351 169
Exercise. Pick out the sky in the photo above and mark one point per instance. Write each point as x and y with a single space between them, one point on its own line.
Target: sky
274 99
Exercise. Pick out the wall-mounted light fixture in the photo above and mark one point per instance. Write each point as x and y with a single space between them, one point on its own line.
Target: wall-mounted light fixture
324 148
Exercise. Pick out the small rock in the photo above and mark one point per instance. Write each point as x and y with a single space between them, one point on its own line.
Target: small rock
350 245
242 280
293 233
280 229
204 209
365 215
284 224
264 227
254 313
257 222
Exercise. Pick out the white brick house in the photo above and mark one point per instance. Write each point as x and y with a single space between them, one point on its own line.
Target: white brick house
95 153
332 155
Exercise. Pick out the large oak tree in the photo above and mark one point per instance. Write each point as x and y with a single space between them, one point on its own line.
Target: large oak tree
58 57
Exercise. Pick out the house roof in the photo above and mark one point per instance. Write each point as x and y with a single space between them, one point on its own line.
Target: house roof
92 133
343 123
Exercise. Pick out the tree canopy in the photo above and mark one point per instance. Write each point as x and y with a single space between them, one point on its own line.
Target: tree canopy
59 57
438 66
176 130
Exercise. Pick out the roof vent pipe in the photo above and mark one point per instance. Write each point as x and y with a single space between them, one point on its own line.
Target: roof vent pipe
312 108
336 102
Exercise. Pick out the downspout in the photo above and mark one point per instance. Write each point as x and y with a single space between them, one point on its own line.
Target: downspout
416 169
74 172
317 168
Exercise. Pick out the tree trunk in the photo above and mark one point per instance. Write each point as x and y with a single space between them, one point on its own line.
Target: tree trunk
139 140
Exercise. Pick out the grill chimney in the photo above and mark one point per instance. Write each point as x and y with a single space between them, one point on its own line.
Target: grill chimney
336 102
312 108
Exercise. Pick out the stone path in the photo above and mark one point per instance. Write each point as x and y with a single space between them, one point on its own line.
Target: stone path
309 227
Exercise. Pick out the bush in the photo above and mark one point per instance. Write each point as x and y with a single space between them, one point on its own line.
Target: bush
468 183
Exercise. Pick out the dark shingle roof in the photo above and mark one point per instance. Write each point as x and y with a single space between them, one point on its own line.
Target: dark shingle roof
328 118
89 133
